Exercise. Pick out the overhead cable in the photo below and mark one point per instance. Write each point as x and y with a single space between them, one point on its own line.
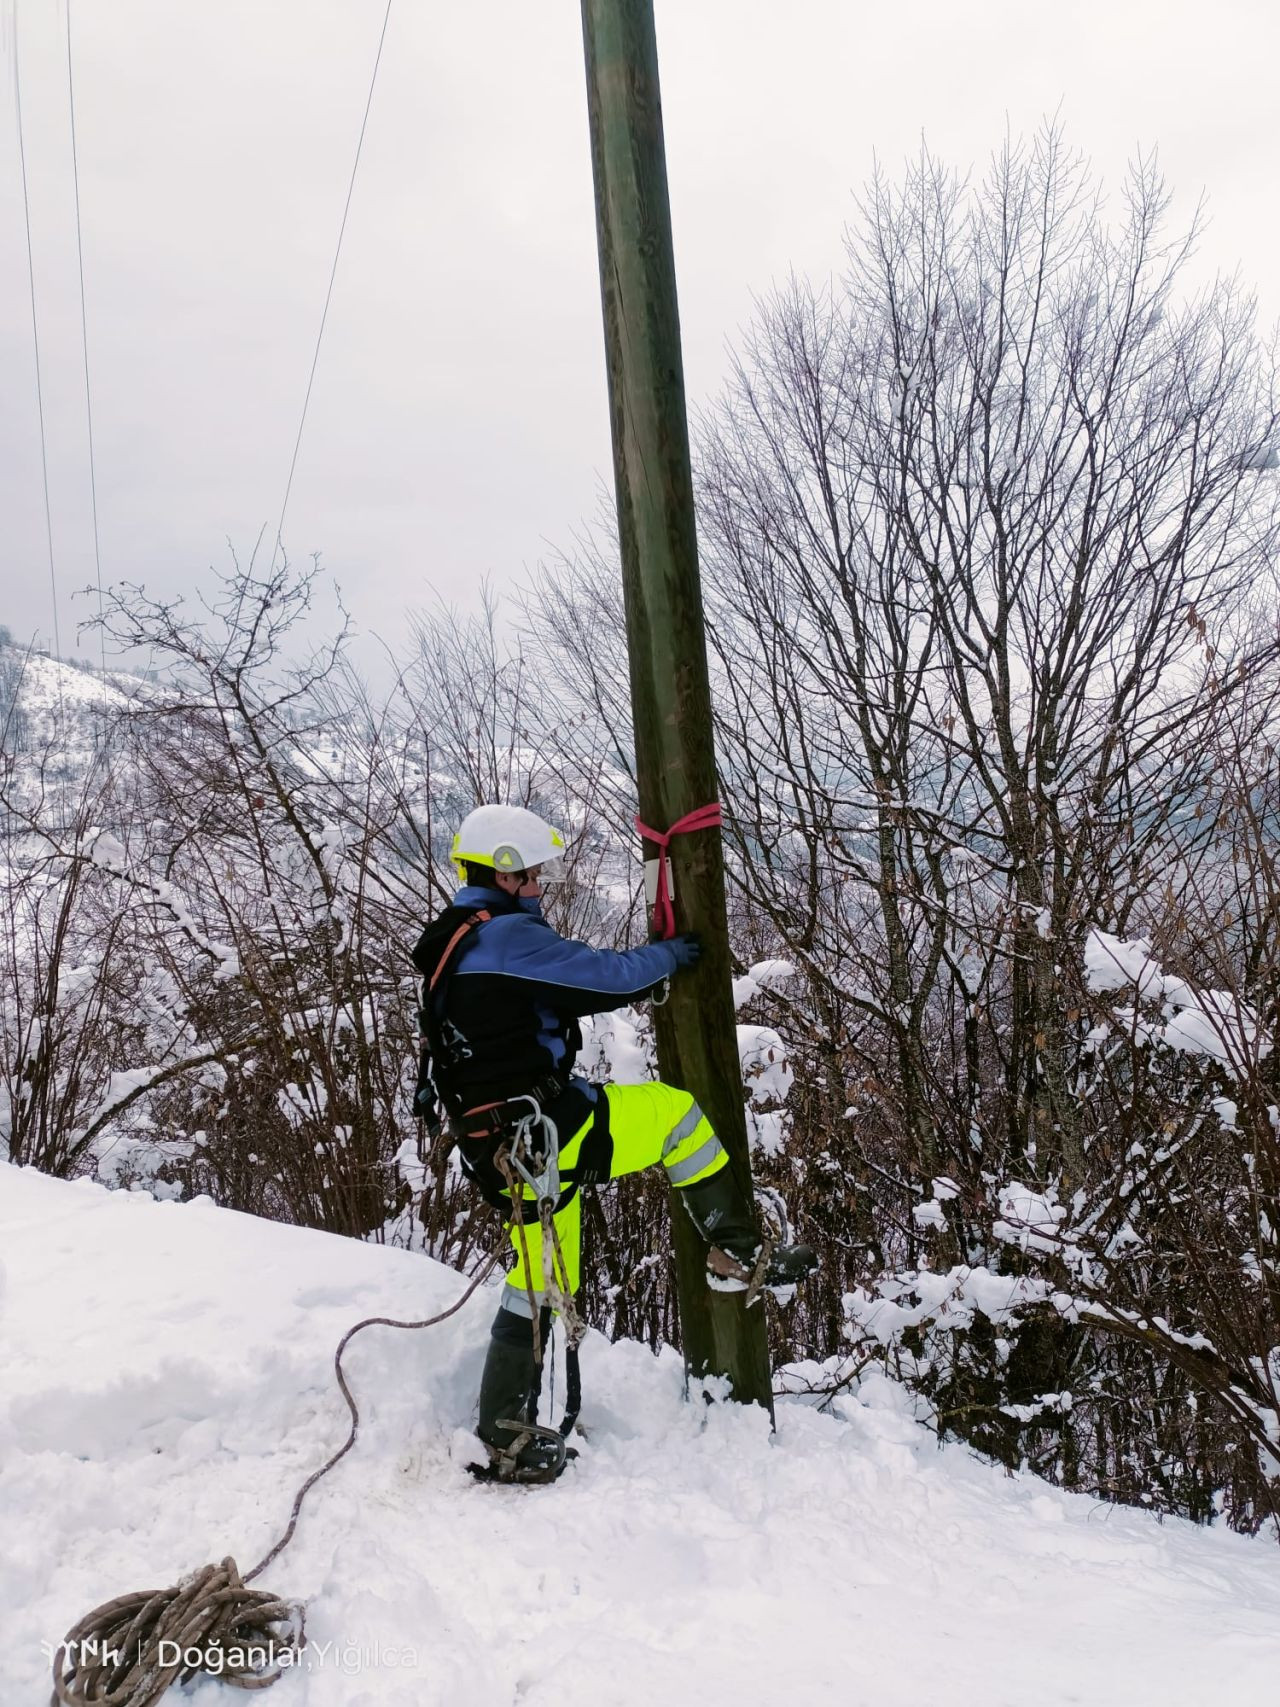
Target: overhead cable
35 336
84 336
333 273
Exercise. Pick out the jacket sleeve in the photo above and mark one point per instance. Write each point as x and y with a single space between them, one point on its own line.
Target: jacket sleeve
576 979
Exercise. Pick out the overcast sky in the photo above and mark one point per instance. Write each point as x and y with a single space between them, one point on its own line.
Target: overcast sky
458 425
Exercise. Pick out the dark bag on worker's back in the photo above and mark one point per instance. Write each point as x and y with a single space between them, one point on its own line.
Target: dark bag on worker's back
434 954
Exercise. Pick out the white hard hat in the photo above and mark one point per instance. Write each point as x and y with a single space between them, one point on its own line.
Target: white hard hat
509 838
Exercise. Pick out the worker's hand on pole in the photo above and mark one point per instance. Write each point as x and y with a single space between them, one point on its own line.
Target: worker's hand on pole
688 948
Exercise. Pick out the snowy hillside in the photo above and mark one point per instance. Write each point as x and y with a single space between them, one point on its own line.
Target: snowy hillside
54 719
57 698
168 1382
51 682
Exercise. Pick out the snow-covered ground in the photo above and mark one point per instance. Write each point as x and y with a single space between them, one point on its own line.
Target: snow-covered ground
166 1383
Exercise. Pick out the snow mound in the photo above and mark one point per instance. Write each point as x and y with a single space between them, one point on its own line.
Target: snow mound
168 1384
1211 1023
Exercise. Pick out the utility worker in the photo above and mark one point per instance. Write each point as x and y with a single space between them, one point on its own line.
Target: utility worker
503 994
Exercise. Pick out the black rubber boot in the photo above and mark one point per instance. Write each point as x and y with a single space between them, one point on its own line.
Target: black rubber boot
508 1390
720 1211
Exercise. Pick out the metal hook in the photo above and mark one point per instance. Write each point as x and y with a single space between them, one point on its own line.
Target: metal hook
545 1184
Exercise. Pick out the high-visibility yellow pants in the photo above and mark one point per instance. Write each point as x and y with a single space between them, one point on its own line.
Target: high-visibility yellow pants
649 1123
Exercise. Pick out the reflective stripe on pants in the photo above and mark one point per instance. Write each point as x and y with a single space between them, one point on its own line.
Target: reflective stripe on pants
650 1123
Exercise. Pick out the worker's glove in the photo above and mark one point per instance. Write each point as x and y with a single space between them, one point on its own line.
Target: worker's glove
688 948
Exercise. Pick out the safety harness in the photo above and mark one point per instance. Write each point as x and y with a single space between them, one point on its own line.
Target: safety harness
479 1130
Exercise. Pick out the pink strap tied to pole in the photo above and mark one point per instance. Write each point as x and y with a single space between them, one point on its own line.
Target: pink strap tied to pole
702 818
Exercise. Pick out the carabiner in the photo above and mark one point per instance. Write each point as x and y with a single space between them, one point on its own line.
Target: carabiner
545 1184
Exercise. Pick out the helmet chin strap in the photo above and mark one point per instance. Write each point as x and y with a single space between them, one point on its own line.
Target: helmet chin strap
520 884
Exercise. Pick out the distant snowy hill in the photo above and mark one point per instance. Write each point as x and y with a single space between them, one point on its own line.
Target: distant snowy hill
54 719
167 1383
50 687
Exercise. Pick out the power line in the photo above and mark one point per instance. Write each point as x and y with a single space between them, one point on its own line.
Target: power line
35 334
84 336
333 273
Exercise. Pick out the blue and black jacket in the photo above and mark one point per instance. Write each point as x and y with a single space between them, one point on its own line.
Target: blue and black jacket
504 1018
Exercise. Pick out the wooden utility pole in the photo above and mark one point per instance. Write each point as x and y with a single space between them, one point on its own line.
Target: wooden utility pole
670 696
